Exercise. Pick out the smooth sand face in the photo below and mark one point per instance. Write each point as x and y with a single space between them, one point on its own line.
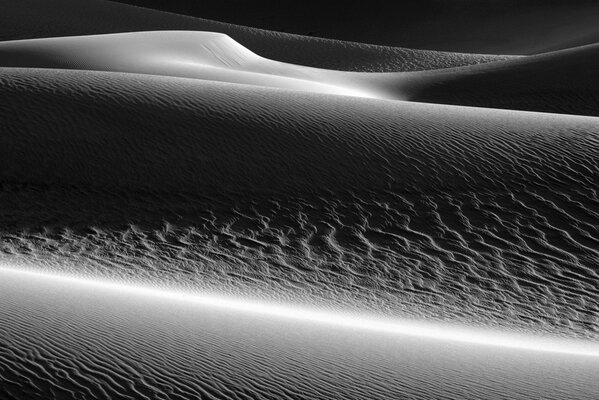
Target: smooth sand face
200 55
29 19
557 82
554 82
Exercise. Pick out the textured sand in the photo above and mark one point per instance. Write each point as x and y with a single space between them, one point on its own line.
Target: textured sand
195 154
558 82
60 341
357 201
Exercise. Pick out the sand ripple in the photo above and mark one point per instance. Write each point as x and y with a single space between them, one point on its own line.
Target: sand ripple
453 213
63 342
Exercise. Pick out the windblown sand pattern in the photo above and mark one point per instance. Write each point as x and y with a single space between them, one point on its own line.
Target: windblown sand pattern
152 148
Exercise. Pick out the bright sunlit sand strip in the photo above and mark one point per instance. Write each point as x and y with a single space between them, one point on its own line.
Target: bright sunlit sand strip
199 55
393 326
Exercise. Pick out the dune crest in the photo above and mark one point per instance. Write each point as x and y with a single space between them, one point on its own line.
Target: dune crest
558 82
187 54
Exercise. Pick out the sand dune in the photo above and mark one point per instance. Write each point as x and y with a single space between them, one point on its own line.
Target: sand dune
101 344
201 55
561 82
490 26
27 19
403 207
146 147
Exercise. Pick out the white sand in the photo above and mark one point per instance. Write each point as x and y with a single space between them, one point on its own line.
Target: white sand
200 55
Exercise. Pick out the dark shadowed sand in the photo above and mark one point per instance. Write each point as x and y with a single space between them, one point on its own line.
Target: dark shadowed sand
489 26
151 148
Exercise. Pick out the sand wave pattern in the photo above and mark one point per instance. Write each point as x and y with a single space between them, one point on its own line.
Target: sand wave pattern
484 216
111 345
192 209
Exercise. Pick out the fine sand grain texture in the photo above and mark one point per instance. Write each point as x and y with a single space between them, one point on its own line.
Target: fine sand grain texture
285 172
60 341
452 212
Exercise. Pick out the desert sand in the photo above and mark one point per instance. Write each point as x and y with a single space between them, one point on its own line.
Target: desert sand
143 147
107 344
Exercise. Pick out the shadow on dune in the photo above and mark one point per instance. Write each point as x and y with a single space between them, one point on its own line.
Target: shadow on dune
559 82
398 207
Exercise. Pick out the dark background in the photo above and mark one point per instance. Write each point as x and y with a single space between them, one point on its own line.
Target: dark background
488 26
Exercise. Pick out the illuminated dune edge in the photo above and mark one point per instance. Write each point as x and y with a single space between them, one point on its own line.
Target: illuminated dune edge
64 338
354 321
31 19
558 82
200 55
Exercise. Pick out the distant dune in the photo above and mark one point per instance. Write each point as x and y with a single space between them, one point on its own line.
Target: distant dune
29 19
469 26
188 54
559 82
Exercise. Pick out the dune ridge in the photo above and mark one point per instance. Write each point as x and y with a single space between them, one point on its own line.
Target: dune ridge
145 148
200 55
563 81
103 344
558 82
318 198
28 19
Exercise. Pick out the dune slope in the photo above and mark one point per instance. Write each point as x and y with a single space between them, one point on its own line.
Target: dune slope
27 19
149 148
558 82
64 341
200 55
561 82
485 216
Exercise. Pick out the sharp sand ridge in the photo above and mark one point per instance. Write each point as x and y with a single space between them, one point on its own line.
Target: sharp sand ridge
334 318
201 55
65 339
559 82
29 19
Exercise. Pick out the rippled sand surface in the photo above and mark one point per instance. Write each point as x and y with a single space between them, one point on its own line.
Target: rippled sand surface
214 158
61 341
452 212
